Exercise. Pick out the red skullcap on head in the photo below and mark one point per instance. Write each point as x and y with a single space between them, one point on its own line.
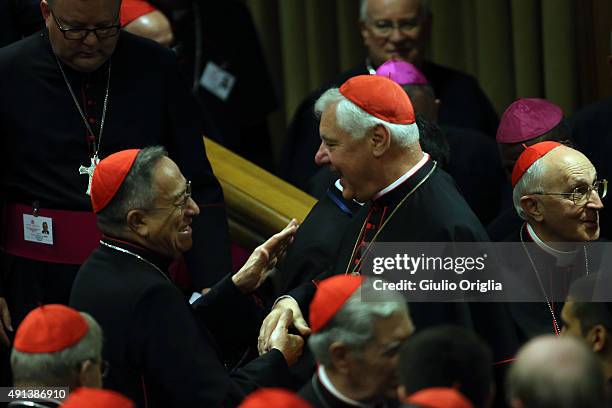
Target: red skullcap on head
527 119
96 398
331 295
439 397
50 328
274 398
402 72
380 97
108 176
529 156
132 9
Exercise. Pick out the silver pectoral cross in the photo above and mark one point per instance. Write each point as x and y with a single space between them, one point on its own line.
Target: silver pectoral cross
90 171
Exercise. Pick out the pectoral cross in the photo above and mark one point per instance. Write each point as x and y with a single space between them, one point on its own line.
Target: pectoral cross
90 171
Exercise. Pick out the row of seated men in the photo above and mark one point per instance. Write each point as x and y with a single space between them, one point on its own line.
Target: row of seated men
368 356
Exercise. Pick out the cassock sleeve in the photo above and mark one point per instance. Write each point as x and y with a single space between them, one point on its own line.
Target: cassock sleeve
181 361
210 258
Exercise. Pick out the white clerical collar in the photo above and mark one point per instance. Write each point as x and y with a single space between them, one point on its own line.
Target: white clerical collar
403 178
564 258
338 185
334 391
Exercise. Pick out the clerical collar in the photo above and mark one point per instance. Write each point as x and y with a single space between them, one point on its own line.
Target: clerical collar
403 178
325 381
564 258
161 261
369 66
338 186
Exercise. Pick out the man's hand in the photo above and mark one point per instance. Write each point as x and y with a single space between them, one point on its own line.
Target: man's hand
290 345
5 322
286 313
263 258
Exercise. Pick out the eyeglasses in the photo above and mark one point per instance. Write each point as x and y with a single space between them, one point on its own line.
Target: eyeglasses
581 195
180 206
82 33
384 28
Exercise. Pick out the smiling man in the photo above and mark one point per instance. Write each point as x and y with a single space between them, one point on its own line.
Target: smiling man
161 354
370 138
73 93
558 196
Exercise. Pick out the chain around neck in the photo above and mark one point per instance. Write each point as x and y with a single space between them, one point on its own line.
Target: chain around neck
125 251
96 145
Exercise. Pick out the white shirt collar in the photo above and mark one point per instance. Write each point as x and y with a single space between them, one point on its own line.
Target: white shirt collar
338 185
403 178
334 391
564 258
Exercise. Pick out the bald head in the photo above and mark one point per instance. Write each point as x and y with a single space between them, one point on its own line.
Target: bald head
557 372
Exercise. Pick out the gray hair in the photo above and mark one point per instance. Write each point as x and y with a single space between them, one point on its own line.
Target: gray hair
556 372
357 122
136 191
60 368
425 9
353 324
530 182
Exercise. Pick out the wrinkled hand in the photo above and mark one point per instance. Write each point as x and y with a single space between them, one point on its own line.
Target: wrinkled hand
286 312
264 258
5 322
290 345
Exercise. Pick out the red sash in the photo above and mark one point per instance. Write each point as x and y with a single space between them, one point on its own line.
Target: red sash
75 235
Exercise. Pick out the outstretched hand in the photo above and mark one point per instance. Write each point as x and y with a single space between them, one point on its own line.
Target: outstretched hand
286 313
264 258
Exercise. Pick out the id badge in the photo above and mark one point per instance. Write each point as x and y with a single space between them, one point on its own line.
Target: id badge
217 81
38 229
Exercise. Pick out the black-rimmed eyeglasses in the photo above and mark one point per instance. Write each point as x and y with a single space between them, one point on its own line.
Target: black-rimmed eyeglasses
581 195
82 33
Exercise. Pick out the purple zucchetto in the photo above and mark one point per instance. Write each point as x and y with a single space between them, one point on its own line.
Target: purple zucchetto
528 118
402 72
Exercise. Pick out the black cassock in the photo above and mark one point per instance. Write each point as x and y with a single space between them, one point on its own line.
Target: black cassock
160 350
434 212
45 142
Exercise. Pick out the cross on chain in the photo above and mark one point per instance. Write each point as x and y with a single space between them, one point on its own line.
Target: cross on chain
89 171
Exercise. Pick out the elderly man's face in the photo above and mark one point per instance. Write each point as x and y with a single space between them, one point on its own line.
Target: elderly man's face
395 29
374 370
562 219
168 223
350 158
89 53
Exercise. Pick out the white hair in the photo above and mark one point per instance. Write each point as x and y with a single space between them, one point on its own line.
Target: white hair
357 122
425 9
353 324
529 183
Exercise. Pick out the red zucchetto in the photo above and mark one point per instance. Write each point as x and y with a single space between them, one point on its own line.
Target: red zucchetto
402 72
529 156
331 295
526 119
50 328
132 9
274 398
96 398
380 97
438 397
108 177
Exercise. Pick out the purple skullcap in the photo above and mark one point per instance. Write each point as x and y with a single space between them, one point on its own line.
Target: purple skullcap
402 72
526 119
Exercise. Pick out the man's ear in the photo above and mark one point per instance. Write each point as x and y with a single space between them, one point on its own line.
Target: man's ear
401 393
137 222
340 357
380 140
89 375
532 207
45 10
597 338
